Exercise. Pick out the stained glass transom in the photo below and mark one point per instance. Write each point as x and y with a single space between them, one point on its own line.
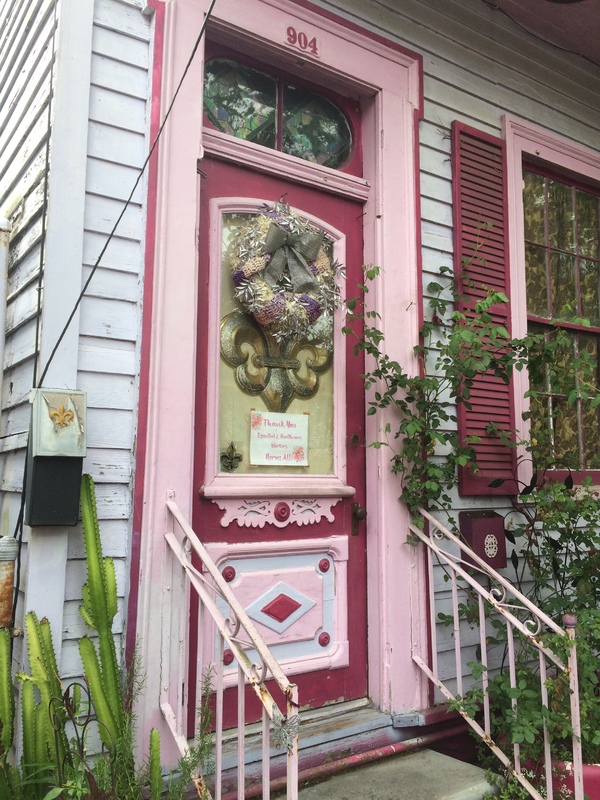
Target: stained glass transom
246 103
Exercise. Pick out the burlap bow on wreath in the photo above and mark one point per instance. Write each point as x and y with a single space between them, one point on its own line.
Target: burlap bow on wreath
294 251
283 276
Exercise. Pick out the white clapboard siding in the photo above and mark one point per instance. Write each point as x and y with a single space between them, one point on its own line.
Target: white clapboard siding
108 391
121 253
25 70
125 79
101 213
24 31
23 112
111 319
110 283
114 144
20 346
114 532
106 356
25 165
110 428
113 180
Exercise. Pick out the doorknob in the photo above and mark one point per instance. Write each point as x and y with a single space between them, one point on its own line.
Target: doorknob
358 514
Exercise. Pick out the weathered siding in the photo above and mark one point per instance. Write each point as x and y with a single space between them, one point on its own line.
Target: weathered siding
26 63
25 84
110 315
110 321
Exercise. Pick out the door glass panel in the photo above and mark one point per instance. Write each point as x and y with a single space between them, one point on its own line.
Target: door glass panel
275 393
249 104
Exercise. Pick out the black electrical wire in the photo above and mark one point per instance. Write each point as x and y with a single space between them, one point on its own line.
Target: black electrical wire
128 201
495 7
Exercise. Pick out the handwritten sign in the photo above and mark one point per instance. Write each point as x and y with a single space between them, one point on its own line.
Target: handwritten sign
280 439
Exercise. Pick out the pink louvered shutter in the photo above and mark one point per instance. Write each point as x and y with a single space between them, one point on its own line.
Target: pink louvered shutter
481 264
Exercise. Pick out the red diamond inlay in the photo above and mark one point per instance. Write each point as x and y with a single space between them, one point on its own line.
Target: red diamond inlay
281 607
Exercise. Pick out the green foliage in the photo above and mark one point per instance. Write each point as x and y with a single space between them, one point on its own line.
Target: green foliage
7 697
426 448
54 763
98 611
154 766
198 761
556 540
556 528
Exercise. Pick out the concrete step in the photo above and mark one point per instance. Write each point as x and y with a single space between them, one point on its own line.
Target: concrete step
420 775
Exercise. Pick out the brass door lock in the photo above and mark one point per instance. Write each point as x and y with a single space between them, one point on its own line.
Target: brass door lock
358 514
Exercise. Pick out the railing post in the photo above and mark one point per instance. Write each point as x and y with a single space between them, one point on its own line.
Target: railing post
570 623
521 618
232 628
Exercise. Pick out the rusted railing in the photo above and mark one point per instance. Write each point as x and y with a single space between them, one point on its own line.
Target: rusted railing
230 647
461 567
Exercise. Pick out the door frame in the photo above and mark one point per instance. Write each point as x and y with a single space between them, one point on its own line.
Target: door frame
388 79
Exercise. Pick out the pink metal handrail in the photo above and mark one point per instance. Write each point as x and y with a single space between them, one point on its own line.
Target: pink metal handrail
234 629
508 602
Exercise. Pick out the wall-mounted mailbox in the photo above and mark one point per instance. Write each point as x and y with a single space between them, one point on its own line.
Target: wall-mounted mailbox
484 533
57 447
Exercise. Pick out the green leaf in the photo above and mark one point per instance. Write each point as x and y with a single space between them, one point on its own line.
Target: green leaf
56 792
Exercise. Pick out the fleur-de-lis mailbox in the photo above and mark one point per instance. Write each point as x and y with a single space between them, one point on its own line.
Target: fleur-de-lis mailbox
57 447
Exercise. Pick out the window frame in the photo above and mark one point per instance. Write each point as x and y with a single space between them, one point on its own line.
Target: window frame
529 145
348 106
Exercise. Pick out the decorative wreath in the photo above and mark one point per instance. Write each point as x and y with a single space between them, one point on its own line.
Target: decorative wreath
283 276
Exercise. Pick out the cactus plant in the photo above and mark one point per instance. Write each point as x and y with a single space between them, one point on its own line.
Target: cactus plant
100 663
44 676
7 696
51 764
98 611
154 768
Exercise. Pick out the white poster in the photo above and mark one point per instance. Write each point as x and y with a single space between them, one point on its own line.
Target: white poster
280 439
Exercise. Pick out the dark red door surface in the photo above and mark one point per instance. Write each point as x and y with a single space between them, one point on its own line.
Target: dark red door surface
325 683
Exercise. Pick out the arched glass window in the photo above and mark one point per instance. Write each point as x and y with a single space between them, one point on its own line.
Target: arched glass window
244 102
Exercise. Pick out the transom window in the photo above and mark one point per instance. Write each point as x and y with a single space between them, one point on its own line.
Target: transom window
271 111
562 250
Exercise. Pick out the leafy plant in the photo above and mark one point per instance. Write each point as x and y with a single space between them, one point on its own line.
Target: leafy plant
54 759
556 527
455 348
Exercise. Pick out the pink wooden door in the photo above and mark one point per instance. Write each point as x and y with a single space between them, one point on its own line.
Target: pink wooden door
295 556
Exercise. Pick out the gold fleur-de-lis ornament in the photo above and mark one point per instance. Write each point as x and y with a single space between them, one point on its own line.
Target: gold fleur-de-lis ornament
61 417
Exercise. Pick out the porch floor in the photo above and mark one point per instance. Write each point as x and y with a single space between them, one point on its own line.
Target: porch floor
353 750
420 775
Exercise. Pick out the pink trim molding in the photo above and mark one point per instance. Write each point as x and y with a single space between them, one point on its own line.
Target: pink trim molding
268 511
313 633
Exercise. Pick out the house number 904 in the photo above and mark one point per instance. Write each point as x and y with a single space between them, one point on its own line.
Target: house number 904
300 39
